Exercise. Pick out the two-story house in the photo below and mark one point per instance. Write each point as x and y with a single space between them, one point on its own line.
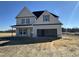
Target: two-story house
37 24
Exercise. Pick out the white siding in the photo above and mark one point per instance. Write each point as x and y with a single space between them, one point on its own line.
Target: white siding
17 32
18 20
52 19
29 31
25 12
58 27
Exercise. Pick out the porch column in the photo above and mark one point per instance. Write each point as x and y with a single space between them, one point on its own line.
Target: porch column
34 32
17 32
28 32
12 32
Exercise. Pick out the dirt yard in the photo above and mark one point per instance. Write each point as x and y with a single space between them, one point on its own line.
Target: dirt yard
6 34
68 46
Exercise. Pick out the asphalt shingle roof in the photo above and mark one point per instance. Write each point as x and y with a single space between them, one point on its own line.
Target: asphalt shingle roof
38 13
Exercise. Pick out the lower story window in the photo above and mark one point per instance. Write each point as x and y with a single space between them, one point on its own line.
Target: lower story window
22 31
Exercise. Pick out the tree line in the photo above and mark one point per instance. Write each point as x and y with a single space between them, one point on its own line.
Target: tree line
70 29
63 30
8 31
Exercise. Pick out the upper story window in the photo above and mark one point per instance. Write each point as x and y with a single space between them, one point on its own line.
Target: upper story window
46 18
25 21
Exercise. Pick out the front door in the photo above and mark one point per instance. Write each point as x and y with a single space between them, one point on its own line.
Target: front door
23 31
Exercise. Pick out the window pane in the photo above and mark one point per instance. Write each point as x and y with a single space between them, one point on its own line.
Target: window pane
24 31
27 21
23 21
46 18
20 31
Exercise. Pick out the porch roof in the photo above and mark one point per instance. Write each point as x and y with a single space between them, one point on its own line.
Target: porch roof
30 25
26 25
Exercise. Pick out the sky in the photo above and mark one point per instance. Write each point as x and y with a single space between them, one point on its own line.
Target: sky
68 11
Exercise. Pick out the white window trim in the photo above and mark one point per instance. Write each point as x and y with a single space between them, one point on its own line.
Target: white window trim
25 21
44 18
21 31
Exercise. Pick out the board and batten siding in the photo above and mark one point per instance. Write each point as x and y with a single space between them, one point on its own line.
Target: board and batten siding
52 19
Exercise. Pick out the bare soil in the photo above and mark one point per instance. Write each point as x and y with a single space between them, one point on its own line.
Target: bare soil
68 46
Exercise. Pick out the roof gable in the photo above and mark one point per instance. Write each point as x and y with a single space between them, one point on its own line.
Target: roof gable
37 13
25 12
54 15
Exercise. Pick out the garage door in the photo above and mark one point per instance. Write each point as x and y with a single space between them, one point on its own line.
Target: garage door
47 32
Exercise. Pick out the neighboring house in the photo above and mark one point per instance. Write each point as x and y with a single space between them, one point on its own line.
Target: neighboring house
37 24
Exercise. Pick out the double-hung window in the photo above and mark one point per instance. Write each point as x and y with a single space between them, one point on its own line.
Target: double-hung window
45 18
23 21
27 21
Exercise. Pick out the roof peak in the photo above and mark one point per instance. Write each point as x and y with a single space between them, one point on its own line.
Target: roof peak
39 10
25 12
38 13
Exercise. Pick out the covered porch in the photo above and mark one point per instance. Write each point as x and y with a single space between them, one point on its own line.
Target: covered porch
23 30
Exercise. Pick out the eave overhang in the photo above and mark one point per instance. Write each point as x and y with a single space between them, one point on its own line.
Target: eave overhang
31 25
